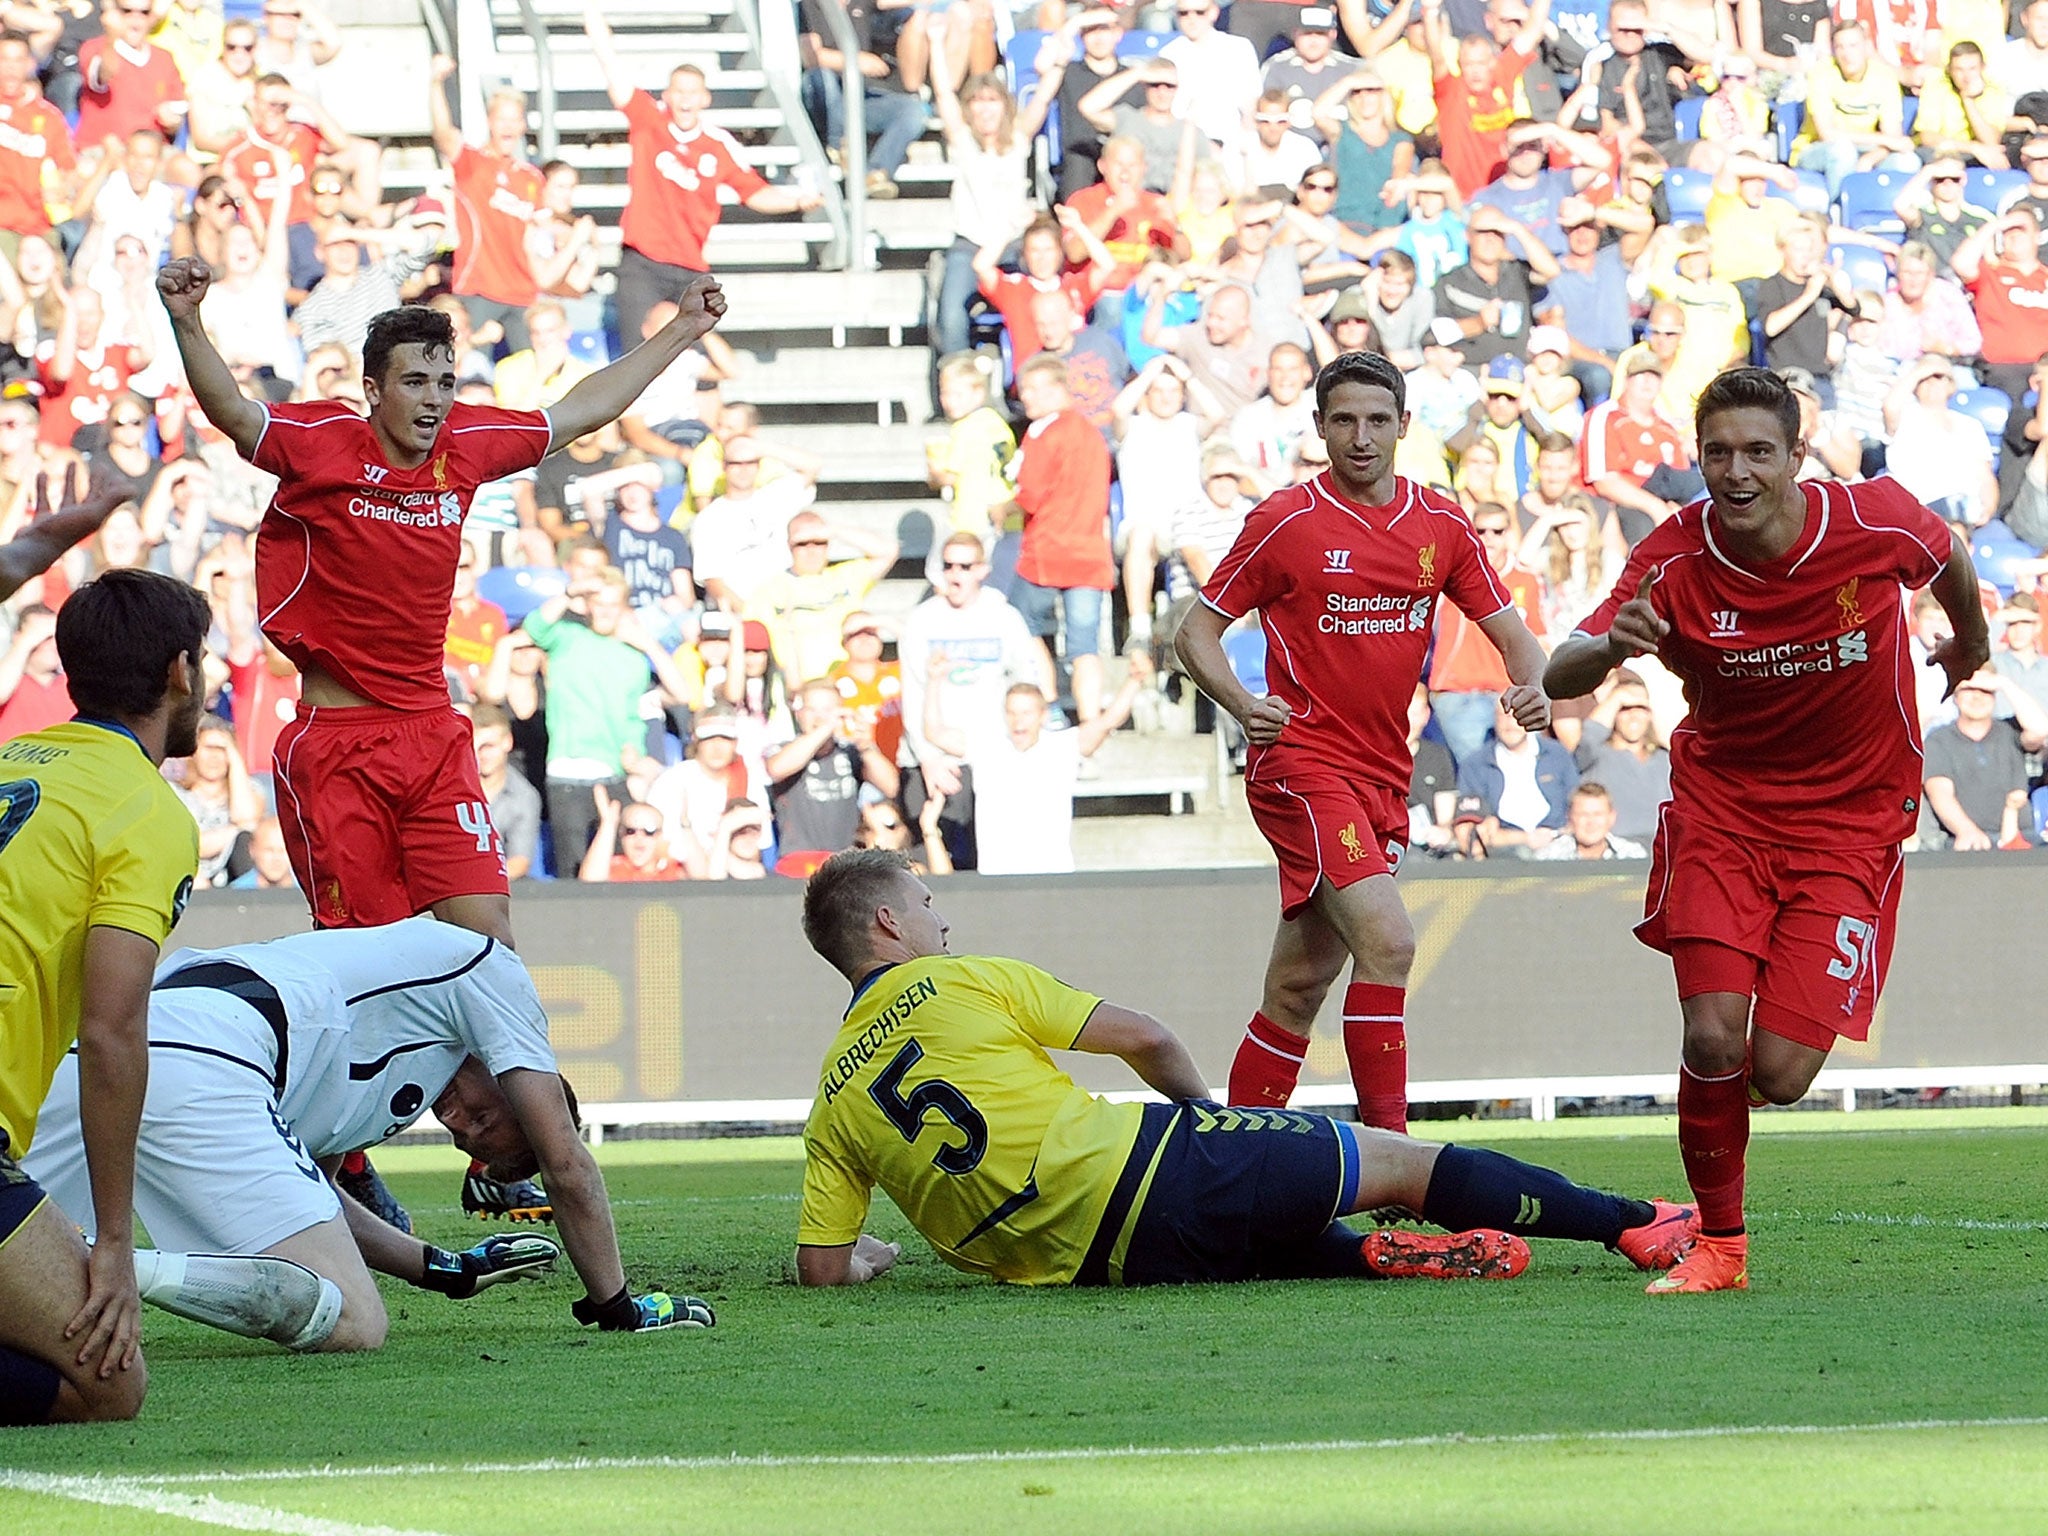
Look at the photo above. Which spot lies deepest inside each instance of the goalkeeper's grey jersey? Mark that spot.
(377, 1022)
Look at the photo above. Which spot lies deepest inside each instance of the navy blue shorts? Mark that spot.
(19, 1194)
(1225, 1194)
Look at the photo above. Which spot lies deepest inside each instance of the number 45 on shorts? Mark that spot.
(475, 817)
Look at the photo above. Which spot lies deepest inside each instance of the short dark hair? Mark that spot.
(1749, 389)
(840, 900)
(1368, 368)
(118, 634)
(406, 325)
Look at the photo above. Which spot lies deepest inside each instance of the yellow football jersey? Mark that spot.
(939, 1089)
(90, 836)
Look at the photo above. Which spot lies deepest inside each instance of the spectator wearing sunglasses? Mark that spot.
(629, 847)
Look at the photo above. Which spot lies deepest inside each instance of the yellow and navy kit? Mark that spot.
(939, 1089)
(90, 837)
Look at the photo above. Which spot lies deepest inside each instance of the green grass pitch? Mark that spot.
(1901, 1282)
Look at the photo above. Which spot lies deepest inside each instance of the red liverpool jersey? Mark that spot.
(267, 171)
(355, 561)
(495, 200)
(1801, 727)
(673, 181)
(1346, 594)
(34, 141)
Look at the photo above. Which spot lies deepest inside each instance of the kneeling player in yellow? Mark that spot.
(939, 1088)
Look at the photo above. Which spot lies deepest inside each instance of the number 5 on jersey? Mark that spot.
(906, 1111)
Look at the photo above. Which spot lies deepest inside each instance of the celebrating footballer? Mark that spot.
(1774, 883)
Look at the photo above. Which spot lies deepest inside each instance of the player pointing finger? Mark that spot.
(1636, 625)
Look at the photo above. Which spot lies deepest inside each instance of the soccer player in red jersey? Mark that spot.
(355, 571)
(1796, 775)
(1346, 572)
(497, 197)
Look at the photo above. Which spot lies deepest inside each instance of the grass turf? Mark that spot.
(1895, 1279)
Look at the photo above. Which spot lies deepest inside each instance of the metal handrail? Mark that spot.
(544, 77)
(439, 33)
(853, 153)
(774, 36)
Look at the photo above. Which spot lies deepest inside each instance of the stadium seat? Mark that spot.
(2040, 808)
(1811, 195)
(1909, 115)
(1685, 116)
(1991, 190)
(1865, 265)
(1022, 56)
(589, 347)
(1787, 117)
(519, 589)
(1986, 406)
(1997, 550)
(1867, 198)
(1687, 191)
(1245, 650)
(1142, 45)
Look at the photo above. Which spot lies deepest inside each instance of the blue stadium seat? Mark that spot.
(1687, 192)
(1142, 45)
(1685, 116)
(2040, 808)
(1865, 265)
(1022, 55)
(1867, 198)
(1989, 189)
(589, 347)
(519, 589)
(1986, 406)
(1812, 193)
(1909, 115)
(1245, 650)
(1787, 117)
(1996, 550)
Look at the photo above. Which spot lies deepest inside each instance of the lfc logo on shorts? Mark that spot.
(1848, 603)
(1425, 566)
(1353, 849)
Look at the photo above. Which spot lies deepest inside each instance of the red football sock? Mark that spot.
(353, 1164)
(1376, 1045)
(1268, 1064)
(1713, 1137)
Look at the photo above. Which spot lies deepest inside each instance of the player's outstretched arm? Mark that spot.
(43, 543)
(610, 392)
(1146, 1046)
(1969, 647)
(183, 283)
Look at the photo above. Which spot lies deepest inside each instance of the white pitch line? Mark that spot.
(1958, 1223)
(201, 1508)
(1072, 1453)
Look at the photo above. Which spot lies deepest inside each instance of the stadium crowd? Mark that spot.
(1560, 218)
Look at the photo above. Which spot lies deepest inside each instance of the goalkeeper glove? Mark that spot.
(490, 1262)
(626, 1313)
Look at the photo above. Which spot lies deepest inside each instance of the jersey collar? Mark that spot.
(860, 987)
(112, 725)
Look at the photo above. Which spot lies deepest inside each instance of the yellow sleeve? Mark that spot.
(1041, 1005)
(835, 1201)
(144, 870)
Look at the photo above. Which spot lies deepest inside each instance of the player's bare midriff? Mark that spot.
(321, 691)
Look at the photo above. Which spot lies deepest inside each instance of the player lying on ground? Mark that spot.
(269, 1060)
(1347, 573)
(939, 1089)
(97, 858)
(1774, 883)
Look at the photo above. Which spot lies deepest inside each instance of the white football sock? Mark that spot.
(255, 1295)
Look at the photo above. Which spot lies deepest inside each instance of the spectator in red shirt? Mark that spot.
(679, 161)
(1466, 673)
(1064, 568)
(32, 690)
(1633, 456)
(636, 828)
(129, 82)
(33, 140)
(497, 203)
(81, 369)
(475, 625)
(277, 158)
(1133, 224)
(1043, 261)
(1475, 92)
(2010, 291)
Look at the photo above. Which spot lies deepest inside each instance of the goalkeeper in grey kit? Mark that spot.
(269, 1062)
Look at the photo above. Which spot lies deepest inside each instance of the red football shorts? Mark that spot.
(383, 813)
(1818, 924)
(1327, 830)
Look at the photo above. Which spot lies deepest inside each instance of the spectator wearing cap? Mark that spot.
(1275, 154)
(1744, 222)
(2018, 658)
(1497, 419)
(1833, 451)
(1219, 72)
(1348, 328)
(1514, 791)
(1933, 209)
(1264, 433)
(1554, 401)
(1475, 92)
(1940, 455)
(1589, 828)
(1588, 298)
(1466, 673)
(1489, 298)
(1631, 455)
(870, 687)
(815, 777)
(1528, 192)
(692, 795)
(1269, 269)
(1309, 66)
(1372, 156)
(1716, 322)
(1620, 750)
(1962, 113)
(1926, 313)
(740, 538)
(633, 845)
(1799, 304)
(1976, 771)
(1099, 31)
(806, 604)
(1853, 113)
(1442, 392)
(2010, 291)
(1205, 528)
(1155, 125)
